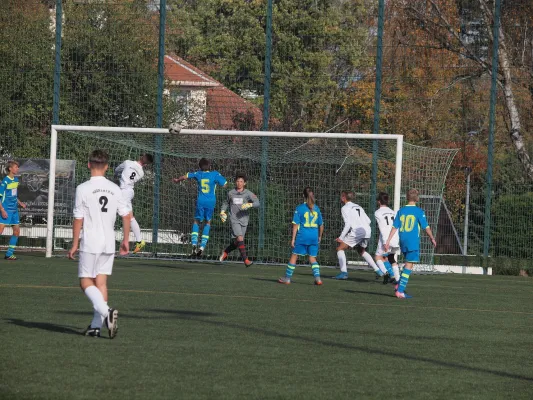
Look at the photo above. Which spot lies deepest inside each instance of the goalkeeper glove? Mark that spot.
(223, 216)
(246, 206)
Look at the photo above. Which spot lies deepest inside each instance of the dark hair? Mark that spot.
(348, 194)
(241, 175)
(309, 196)
(148, 158)
(204, 164)
(98, 158)
(383, 198)
(10, 164)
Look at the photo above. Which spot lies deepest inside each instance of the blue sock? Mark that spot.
(205, 235)
(389, 268)
(290, 270)
(316, 269)
(404, 278)
(194, 234)
(12, 245)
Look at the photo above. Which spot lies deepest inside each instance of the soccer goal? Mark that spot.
(278, 166)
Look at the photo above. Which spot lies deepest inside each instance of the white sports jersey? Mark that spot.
(356, 222)
(98, 201)
(129, 173)
(385, 217)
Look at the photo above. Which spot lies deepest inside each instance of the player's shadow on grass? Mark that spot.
(45, 326)
(155, 265)
(300, 280)
(274, 280)
(391, 295)
(184, 313)
(397, 356)
(134, 316)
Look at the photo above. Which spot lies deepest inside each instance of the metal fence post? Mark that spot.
(492, 120)
(266, 117)
(377, 110)
(57, 66)
(159, 122)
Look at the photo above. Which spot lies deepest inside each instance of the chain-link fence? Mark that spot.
(293, 65)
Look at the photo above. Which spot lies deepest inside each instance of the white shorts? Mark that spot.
(127, 195)
(354, 241)
(91, 264)
(380, 251)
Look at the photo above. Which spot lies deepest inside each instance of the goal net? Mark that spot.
(278, 166)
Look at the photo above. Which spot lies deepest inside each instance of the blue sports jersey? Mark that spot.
(409, 221)
(207, 183)
(308, 223)
(8, 193)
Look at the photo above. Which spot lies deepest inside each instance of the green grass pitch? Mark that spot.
(207, 331)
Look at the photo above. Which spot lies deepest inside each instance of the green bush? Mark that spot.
(513, 217)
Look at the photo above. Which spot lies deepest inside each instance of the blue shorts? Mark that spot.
(310, 250)
(202, 213)
(411, 256)
(12, 218)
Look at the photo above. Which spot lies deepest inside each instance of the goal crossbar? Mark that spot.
(56, 129)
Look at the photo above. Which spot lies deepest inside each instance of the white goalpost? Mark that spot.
(278, 165)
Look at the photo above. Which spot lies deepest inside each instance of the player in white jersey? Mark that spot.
(387, 260)
(129, 173)
(356, 233)
(97, 203)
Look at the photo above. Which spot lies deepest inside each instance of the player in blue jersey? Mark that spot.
(205, 206)
(307, 231)
(409, 220)
(9, 202)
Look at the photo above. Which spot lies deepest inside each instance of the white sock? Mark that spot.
(136, 229)
(381, 266)
(97, 299)
(342, 260)
(396, 272)
(368, 258)
(98, 320)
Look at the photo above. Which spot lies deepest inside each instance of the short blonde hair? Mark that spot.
(348, 194)
(412, 195)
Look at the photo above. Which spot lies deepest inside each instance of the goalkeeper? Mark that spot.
(239, 200)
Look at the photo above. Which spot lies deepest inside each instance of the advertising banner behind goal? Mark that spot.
(33, 187)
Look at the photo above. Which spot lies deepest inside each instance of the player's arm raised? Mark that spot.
(220, 180)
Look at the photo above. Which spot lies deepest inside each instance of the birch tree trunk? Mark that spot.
(510, 100)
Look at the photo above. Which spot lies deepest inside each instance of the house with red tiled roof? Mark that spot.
(201, 102)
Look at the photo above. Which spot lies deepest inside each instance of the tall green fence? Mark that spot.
(320, 67)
